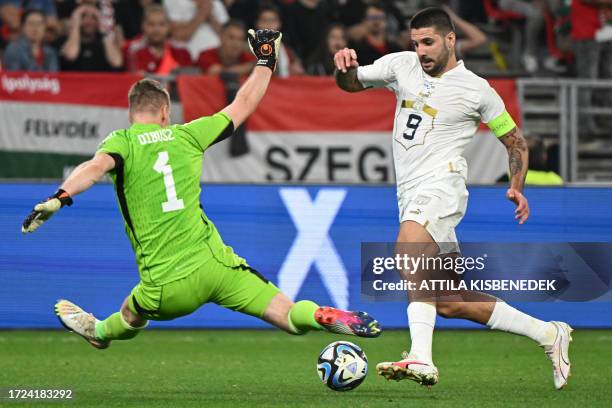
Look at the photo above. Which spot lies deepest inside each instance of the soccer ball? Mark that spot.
(342, 366)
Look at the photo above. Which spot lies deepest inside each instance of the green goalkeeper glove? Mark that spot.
(45, 210)
(265, 44)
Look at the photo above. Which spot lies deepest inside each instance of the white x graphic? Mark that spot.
(312, 244)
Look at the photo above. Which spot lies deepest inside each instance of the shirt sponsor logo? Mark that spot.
(30, 85)
(162, 135)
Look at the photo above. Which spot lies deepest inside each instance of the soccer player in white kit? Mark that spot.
(440, 104)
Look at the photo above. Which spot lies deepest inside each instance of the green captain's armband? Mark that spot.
(501, 124)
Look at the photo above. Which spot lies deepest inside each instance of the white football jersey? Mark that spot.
(435, 118)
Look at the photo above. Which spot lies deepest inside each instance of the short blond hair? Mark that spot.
(148, 95)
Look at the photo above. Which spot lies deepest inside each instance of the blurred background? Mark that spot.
(312, 159)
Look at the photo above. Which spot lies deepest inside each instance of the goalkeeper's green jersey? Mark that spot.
(157, 180)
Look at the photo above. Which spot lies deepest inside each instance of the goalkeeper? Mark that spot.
(182, 260)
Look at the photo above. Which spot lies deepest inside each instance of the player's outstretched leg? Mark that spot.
(76, 320)
(305, 315)
(558, 353)
(98, 333)
(409, 369)
(554, 337)
(343, 322)
(417, 365)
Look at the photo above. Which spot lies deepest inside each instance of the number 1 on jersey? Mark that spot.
(162, 166)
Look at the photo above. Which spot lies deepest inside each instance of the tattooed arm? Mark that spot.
(348, 80)
(518, 158)
(346, 64)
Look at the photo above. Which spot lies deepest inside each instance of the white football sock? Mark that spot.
(422, 320)
(507, 318)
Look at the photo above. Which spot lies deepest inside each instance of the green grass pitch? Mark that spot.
(265, 368)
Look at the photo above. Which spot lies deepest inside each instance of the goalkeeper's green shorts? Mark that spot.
(239, 288)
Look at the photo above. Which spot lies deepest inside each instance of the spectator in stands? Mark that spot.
(593, 51)
(534, 23)
(153, 53)
(351, 13)
(472, 36)
(65, 9)
(28, 52)
(562, 27)
(91, 44)
(593, 57)
(243, 9)
(10, 11)
(112, 12)
(376, 43)
(322, 60)
(231, 56)
(605, 33)
(305, 27)
(129, 15)
(288, 63)
(197, 23)
(9, 17)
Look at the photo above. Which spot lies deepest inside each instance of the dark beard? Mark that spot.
(439, 66)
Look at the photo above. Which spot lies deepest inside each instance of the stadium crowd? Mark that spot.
(147, 36)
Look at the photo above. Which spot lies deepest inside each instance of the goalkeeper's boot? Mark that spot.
(354, 323)
(80, 322)
(409, 369)
(558, 353)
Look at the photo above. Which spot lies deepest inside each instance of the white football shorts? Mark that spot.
(438, 202)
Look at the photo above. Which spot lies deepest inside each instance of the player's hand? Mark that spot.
(45, 210)
(345, 59)
(522, 206)
(265, 44)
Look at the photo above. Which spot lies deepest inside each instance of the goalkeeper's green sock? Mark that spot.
(116, 328)
(302, 317)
